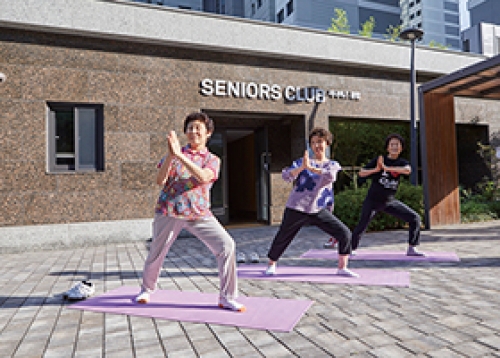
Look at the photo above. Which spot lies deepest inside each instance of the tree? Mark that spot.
(393, 33)
(340, 23)
(367, 27)
(436, 44)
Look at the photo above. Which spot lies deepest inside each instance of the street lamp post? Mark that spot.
(412, 35)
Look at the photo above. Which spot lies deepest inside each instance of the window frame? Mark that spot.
(52, 109)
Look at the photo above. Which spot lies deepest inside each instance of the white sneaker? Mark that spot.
(412, 251)
(231, 305)
(254, 258)
(143, 297)
(271, 270)
(241, 258)
(346, 272)
(80, 291)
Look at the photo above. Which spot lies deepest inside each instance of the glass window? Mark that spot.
(450, 6)
(289, 8)
(75, 138)
(281, 16)
(259, 3)
(253, 9)
(451, 30)
(451, 18)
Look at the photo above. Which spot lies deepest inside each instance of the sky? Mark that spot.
(464, 15)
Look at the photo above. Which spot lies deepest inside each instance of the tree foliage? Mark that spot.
(393, 32)
(340, 23)
(436, 44)
(367, 27)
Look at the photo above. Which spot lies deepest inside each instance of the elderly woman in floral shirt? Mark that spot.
(186, 175)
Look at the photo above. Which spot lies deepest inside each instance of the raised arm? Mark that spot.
(364, 172)
(203, 175)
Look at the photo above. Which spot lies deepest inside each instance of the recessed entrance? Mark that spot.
(240, 196)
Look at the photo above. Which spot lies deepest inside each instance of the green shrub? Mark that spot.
(475, 209)
(348, 205)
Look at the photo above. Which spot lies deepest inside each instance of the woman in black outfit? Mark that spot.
(385, 172)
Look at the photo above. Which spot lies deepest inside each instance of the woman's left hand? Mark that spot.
(173, 144)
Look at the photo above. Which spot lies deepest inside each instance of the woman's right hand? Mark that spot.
(306, 163)
(380, 163)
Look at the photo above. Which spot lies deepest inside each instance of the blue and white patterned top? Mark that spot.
(312, 192)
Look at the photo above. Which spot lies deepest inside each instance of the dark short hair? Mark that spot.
(394, 135)
(202, 117)
(322, 133)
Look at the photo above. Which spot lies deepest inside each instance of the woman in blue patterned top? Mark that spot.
(310, 202)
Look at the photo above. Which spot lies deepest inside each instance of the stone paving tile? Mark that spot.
(450, 309)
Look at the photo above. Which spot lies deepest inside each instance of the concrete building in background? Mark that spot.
(483, 36)
(439, 19)
(223, 7)
(484, 11)
(318, 14)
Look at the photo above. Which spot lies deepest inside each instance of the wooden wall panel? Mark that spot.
(442, 164)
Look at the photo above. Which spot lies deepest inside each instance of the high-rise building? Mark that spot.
(483, 35)
(484, 11)
(318, 14)
(223, 7)
(439, 19)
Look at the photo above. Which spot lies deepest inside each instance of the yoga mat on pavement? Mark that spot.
(261, 312)
(368, 277)
(383, 256)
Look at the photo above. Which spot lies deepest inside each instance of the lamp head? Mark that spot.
(3, 77)
(411, 34)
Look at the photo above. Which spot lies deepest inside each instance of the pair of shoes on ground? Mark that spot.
(271, 271)
(144, 297)
(242, 258)
(80, 291)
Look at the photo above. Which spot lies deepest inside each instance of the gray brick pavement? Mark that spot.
(450, 309)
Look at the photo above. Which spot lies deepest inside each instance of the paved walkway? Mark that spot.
(450, 309)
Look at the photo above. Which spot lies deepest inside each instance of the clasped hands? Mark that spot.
(174, 147)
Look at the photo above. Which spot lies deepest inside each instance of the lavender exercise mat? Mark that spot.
(383, 256)
(368, 277)
(261, 312)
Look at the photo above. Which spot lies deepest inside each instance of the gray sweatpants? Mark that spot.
(214, 236)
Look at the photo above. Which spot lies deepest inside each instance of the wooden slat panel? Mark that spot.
(442, 165)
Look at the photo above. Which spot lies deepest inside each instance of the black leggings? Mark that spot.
(392, 207)
(293, 220)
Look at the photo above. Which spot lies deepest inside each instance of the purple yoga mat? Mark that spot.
(261, 312)
(383, 256)
(367, 277)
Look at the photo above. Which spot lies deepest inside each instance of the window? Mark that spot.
(185, 7)
(259, 3)
(289, 8)
(419, 13)
(253, 9)
(419, 25)
(450, 6)
(281, 16)
(412, 16)
(412, 4)
(75, 137)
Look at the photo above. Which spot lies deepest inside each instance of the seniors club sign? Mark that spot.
(272, 92)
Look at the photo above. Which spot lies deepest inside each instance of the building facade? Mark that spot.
(483, 36)
(439, 19)
(318, 14)
(87, 105)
